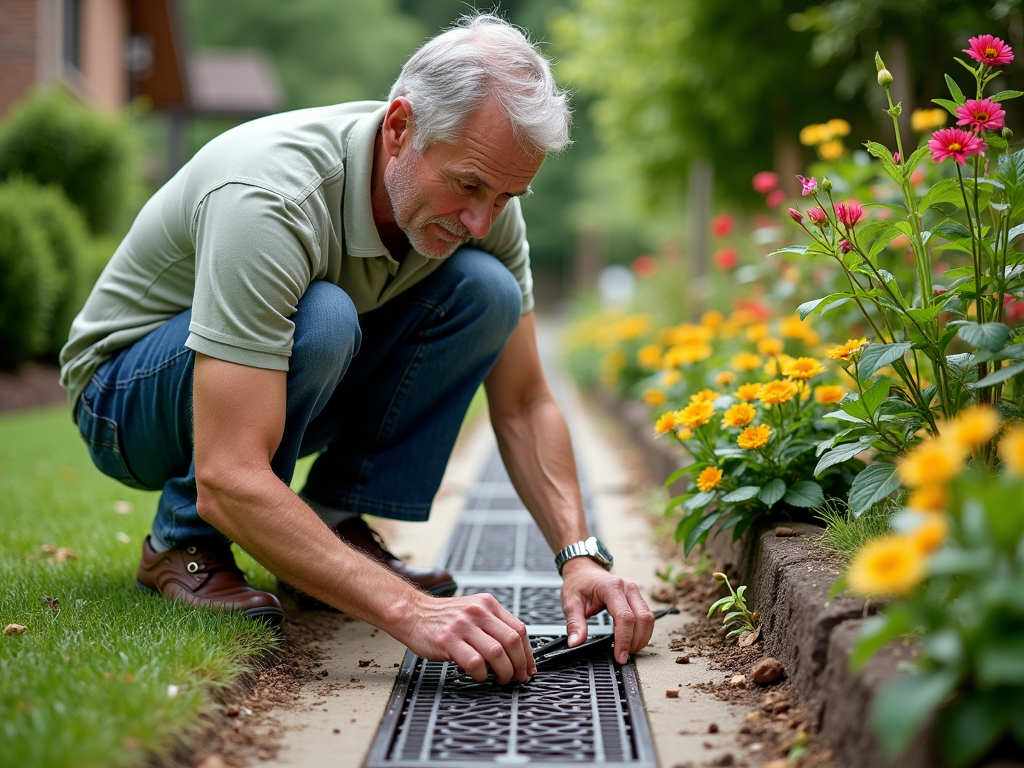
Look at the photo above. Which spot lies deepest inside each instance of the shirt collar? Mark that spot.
(361, 237)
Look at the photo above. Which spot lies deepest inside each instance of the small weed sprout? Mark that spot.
(738, 619)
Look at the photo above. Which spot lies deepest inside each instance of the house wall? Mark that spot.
(29, 46)
(104, 31)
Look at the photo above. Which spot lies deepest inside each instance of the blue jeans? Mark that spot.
(379, 396)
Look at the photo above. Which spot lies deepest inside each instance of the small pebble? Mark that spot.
(783, 532)
(726, 759)
(682, 659)
(14, 629)
(738, 680)
(336, 730)
(713, 728)
(768, 670)
(671, 693)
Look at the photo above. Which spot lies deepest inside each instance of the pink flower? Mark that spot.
(849, 213)
(845, 246)
(727, 258)
(818, 217)
(795, 215)
(955, 143)
(809, 185)
(645, 266)
(990, 51)
(774, 198)
(896, 157)
(981, 115)
(723, 224)
(765, 181)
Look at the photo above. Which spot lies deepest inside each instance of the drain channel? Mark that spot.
(583, 711)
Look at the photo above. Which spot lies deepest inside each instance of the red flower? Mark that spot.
(845, 246)
(809, 185)
(645, 266)
(795, 215)
(818, 217)
(765, 181)
(956, 143)
(849, 213)
(981, 115)
(758, 310)
(774, 198)
(1013, 309)
(723, 224)
(990, 51)
(727, 258)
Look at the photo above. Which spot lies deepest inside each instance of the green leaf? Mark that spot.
(875, 395)
(922, 315)
(997, 377)
(970, 727)
(871, 485)
(801, 249)
(946, 191)
(700, 531)
(952, 230)
(675, 476)
(841, 453)
(807, 307)
(723, 602)
(878, 356)
(772, 491)
(1004, 95)
(877, 632)
(1001, 661)
(885, 155)
(1009, 352)
(904, 705)
(699, 500)
(990, 336)
(950, 106)
(743, 493)
(806, 494)
(954, 91)
(914, 159)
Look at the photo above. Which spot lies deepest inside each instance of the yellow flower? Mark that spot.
(847, 350)
(725, 378)
(929, 498)
(754, 437)
(684, 433)
(793, 327)
(890, 565)
(704, 396)
(671, 378)
(769, 346)
(831, 150)
(683, 354)
(924, 120)
(973, 427)
(777, 392)
(929, 532)
(803, 368)
(1011, 451)
(748, 392)
(633, 326)
(712, 319)
(811, 135)
(709, 479)
(774, 363)
(649, 357)
(688, 333)
(745, 361)
(757, 332)
(935, 461)
(654, 397)
(739, 415)
(829, 394)
(697, 414)
(837, 127)
(666, 422)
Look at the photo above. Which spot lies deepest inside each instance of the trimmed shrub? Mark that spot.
(52, 139)
(28, 281)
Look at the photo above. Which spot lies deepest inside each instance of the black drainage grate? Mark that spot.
(584, 712)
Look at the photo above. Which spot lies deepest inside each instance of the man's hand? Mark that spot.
(587, 589)
(475, 632)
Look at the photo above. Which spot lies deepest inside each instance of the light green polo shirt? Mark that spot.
(240, 232)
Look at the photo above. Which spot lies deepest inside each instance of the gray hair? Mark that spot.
(483, 55)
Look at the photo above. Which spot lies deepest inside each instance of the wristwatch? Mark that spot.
(591, 548)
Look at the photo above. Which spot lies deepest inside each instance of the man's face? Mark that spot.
(448, 193)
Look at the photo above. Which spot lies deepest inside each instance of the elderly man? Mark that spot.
(339, 281)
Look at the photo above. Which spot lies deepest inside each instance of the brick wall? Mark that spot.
(19, 55)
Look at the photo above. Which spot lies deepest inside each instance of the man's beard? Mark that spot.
(406, 206)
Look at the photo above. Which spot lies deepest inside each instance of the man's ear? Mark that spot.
(396, 130)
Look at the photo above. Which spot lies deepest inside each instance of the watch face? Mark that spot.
(597, 550)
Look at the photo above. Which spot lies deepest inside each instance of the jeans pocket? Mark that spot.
(100, 435)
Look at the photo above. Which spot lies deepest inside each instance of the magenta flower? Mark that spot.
(849, 213)
(818, 217)
(765, 181)
(845, 246)
(809, 185)
(990, 51)
(955, 143)
(981, 115)
(896, 157)
(795, 215)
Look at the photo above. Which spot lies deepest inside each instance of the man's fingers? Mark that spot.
(643, 629)
(575, 621)
(618, 606)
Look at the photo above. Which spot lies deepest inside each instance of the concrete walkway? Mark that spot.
(336, 717)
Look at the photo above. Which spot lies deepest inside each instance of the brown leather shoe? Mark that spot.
(356, 533)
(205, 575)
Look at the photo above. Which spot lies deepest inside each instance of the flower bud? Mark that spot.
(795, 215)
(884, 77)
(826, 185)
(879, 64)
(1007, 133)
(845, 246)
(719, 576)
(895, 111)
(938, 290)
(896, 157)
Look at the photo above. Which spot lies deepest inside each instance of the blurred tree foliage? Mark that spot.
(734, 81)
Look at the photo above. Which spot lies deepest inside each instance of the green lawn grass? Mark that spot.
(116, 673)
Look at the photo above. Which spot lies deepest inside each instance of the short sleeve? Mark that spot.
(256, 253)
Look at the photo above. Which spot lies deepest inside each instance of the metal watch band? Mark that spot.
(580, 549)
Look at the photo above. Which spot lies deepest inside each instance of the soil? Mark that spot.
(243, 727)
(34, 384)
